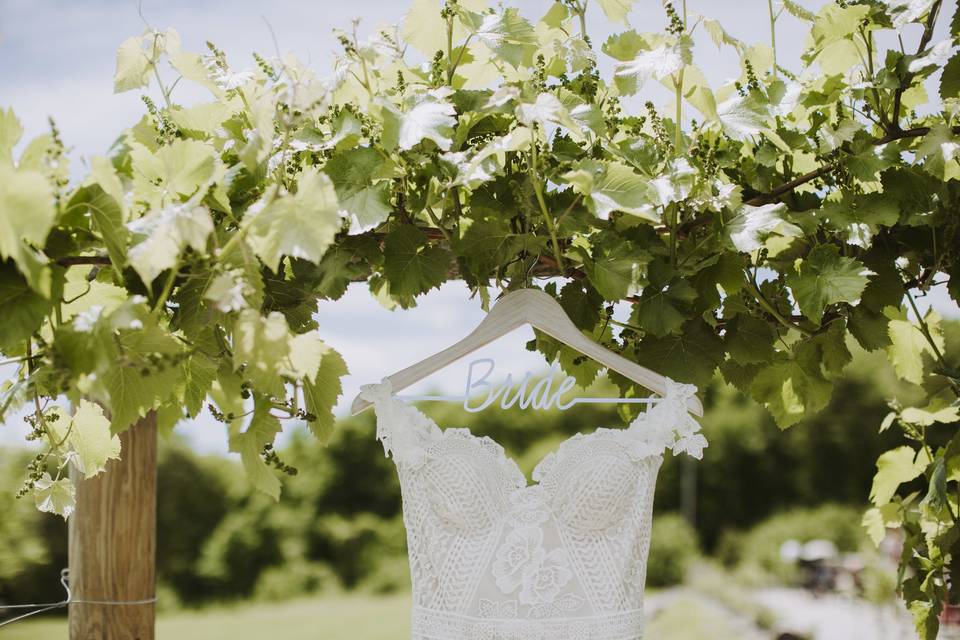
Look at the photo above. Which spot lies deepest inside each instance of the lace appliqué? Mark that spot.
(669, 425)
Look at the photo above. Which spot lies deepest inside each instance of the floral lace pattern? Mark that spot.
(493, 558)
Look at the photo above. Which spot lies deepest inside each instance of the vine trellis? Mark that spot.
(757, 227)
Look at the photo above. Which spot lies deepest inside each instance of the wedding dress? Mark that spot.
(495, 558)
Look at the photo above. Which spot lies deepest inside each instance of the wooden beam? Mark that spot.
(113, 542)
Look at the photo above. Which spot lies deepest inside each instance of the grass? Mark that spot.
(332, 618)
(349, 617)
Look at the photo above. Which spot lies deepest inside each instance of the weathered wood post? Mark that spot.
(113, 542)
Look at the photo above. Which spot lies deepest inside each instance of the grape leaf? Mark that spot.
(791, 388)
(658, 63)
(411, 264)
(749, 339)
(690, 356)
(616, 10)
(824, 278)
(23, 309)
(321, 394)
(107, 218)
(940, 149)
(301, 225)
(367, 208)
(431, 119)
(508, 35)
(10, 132)
(133, 66)
(260, 432)
(662, 307)
(55, 496)
(613, 186)
(895, 467)
(26, 216)
(163, 235)
(950, 79)
(751, 226)
(87, 434)
(614, 271)
(908, 344)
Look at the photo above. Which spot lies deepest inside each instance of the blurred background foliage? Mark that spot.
(338, 526)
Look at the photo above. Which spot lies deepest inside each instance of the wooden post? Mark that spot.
(113, 542)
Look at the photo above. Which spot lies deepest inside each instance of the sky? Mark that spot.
(57, 60)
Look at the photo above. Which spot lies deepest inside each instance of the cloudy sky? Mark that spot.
(57, 59)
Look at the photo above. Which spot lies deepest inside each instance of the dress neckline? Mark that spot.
(665, 425)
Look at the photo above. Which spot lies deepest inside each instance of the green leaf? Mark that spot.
(828, 347)
(877, 520)
(107, 218)
(26, 216)
(23, 310)
(88, 436)
(163, 234)
(939, 150)
(751, 226)
(792, 388)
(664, 302)
(908, 344)
(301, 225)
(321, 395)
(411, 264)
(424, 28)
(936, 497)
(134, 65)
(10, 132)
(509, 36)
(658, 63)
(750, 340)
(199, 372)
(271, 354)
(367, 208)
(183, 167)
(432, 119)
(834, 22)
(55, 496)
(895, 467)
(614, 269)
(260, 432)
(613, 186)
(824, 278)
(487, 245)
(797, 11)
(950, 79)
(616, 10)
(859, 217)
(689, 356)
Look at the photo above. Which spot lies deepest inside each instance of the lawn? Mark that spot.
(350, 618)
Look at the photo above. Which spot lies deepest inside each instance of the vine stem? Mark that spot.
(925, 330)
(582, 15)
(538, 190)
(167, 288)
(773, 35)
(769, 308)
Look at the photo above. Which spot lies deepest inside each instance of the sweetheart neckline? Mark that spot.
(529, 482)
(667, 424)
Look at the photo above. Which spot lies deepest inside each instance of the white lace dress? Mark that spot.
(493, 558)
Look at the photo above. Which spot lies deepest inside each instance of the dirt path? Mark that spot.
(833, 617)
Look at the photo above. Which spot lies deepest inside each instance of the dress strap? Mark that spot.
(404, 431)
(669, 425)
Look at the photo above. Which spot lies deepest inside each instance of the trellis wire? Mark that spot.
(49, 606)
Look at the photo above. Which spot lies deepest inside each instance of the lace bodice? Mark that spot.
(495, 558)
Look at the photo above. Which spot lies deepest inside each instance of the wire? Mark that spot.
(65, 583)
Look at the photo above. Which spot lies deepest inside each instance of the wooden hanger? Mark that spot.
(541, 311)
